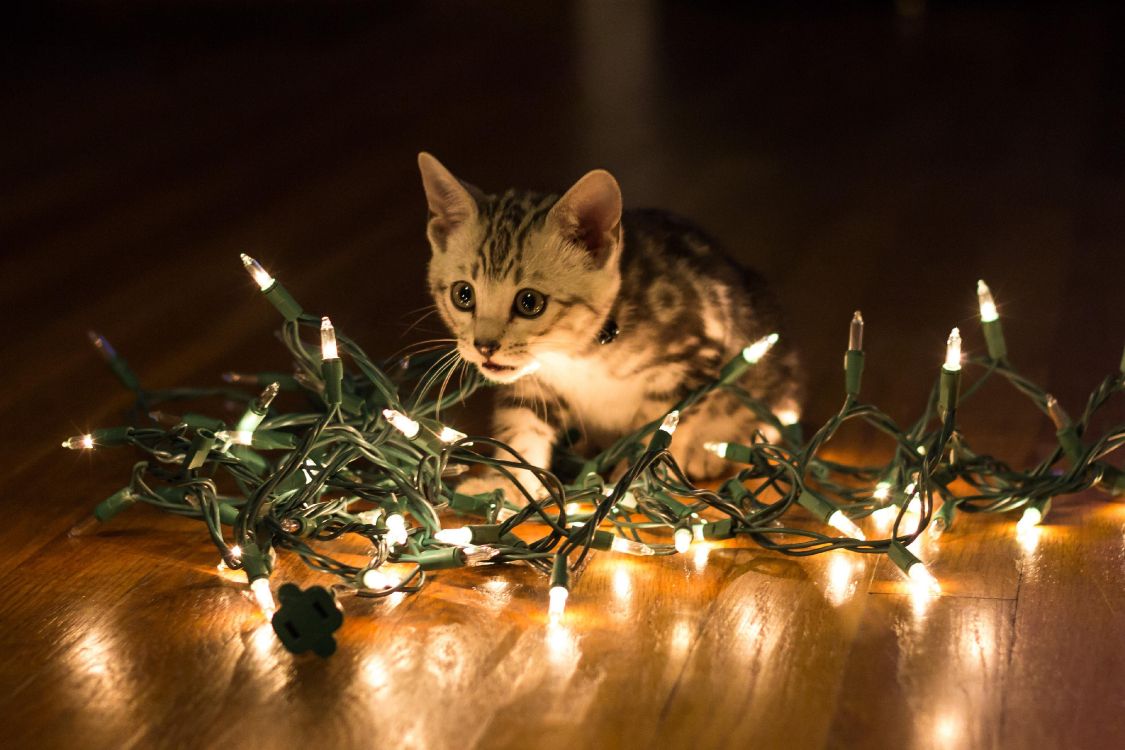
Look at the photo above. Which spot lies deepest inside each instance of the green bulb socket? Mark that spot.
(949, 391)
(280, 298)
(816, 505)
(661, 439)
(114, 504)
(1113, 480)
(901, 556)
(112, 435)
(1071, 443)
(201, 445)
(943, 519)
(202, 422)
(228, 514)
(273, 440)
(333, 372)
(678, 509)
(254, 562)
(994, 340)
(255, 462)
(734, 370)
(481, 505)
(715, 530)
(853, 371)
(124, 373)
(439, 559)
(560, 575)
(485, 533)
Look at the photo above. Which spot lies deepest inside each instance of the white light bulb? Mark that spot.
(450, 435)
(987, 305)
(884, 517)
(953, 350)
(631, 547)
(788, 417)
(265, 281)
(922, 580)
(882, 491)
(671, 422)
(79, 442)
(377, 580)
(855, 332)
(402, 423)
(475, 555)
(719, 449)
(845, 525)
(758, 349)
(557, 606)
(396, 529)
(1031, 517)
(460, 537)
(262, 594)
(236, 552)
(682, 539)
(328, 349)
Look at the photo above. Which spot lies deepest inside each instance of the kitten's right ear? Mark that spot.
(451, 202)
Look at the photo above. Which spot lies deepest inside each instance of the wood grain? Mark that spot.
(861, 158)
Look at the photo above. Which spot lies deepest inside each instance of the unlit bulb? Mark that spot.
(671, 422)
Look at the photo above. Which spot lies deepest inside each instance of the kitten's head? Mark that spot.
(522, 274)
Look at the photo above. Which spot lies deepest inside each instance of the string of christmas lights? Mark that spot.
(365, 460)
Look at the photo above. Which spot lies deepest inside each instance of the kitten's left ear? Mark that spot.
(589, 215)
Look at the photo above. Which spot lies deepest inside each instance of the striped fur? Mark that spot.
(683, 309)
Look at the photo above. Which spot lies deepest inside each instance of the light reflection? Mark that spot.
(1028, 538)
(93, 653)
(622, 584)
(681, 636)
(841, 584)
(562, 644)
(948, 729)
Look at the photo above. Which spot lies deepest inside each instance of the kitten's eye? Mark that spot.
(529, 303)
(462, 295)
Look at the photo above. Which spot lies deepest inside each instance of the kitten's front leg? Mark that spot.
(529, 435)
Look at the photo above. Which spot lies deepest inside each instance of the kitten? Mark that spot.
(595, 319)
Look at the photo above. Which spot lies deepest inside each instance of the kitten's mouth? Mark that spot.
(497, 367)
(506, 373)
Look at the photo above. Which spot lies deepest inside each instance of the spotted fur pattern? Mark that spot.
(682, 307)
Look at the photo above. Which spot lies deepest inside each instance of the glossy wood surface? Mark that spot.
(862, 158)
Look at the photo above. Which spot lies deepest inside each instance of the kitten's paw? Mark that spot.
(487, 483)
(701, 464)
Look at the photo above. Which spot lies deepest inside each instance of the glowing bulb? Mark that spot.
(557, 607)
(885, 516)
(788, 417)
(631, 547)
(882, 491)
(265, 281)
(855, 333)
(236, 552)
(477, 555)
(719, 449)
(1031, 517)
(377, 580)
(682, 539)
(953, 350)
(671, 421)
(402, 423)
(79, 442)
(922, 580)
(460, 537)
(396, 529)
(987, 305)
(758, 349)
(845, 525)
(328, 348)
(450, 435)
(262, 594)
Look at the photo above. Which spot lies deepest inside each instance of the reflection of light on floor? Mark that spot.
(263, 639)
(1028, 537)
(681, 636)
(700, 552)
(93, 653)
(947, 731)
(977, 641)
(841, 584)
(562, 645)
(921, 599)
(622, 584)
(375, 672)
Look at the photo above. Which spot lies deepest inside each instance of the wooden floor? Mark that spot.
(862, 159)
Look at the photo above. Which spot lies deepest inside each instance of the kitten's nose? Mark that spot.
(487, 348)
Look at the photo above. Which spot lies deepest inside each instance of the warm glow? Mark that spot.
(557, 607)
(260, 587)
(460, 537)
(79, 442)
(1031, 518)
(882, 491)
(758, 349)
(922, 581)
(671, 422)
(719, 449)
(788, 417)
(841, 584)
(631, 547)
(402, 423)
(328, 349)
(845, 525)
(953, 351)
(265, 281)
(682, 539)
(396, 529)
(377, 580)
(988, 312)
(450, 435)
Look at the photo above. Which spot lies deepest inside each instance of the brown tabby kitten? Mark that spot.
(596, 319)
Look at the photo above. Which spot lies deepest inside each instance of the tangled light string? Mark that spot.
(363, 459)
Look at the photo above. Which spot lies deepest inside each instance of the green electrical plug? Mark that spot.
(307, 619)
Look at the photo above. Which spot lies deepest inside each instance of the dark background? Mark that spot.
(880, 156)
